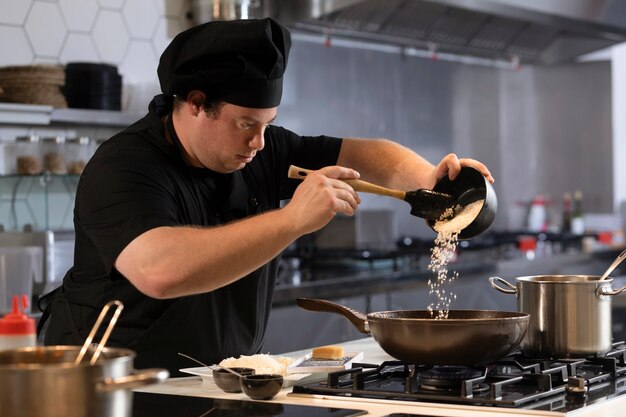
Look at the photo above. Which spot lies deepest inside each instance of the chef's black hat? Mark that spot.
(240, 62)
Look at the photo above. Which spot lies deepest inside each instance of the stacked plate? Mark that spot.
(93, 86)
(33, 84)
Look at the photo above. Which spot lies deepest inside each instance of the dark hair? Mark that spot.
(211, 107)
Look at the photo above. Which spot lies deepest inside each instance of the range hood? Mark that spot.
(528, 31)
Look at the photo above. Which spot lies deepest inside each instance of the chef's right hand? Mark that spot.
(321, 195)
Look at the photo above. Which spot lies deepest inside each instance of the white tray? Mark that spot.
(306, 364)
(207, 375)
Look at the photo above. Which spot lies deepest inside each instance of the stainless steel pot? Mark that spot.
(570, 315)
(43, 381)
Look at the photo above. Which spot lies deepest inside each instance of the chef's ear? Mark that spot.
(196, 99)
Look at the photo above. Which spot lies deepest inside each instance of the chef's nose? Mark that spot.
(258, 140)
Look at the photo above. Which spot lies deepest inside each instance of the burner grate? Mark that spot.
(514, 382)
(397, 380)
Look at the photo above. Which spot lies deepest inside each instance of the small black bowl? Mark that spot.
(229, 382)
(262, 386)
(468, 187)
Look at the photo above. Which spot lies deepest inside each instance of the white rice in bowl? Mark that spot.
(261, 363)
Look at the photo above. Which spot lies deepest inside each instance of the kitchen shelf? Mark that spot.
(34, 114)
(97, 117)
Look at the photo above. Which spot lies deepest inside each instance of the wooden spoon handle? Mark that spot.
(358, 185)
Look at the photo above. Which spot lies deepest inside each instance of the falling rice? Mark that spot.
(448, 228)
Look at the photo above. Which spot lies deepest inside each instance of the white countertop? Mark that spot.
(194, 386)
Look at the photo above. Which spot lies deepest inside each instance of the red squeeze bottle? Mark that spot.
(16, 328)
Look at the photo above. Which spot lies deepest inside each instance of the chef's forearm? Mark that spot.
(387, 163)
(169, 262)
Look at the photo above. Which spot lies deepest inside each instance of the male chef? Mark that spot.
(179, 216)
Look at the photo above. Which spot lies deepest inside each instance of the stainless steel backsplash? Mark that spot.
(539, 129)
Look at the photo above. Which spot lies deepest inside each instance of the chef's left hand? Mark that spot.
(451, 165)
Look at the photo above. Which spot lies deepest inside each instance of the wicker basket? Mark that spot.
(33, 84)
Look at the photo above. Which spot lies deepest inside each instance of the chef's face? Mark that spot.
(227, 139)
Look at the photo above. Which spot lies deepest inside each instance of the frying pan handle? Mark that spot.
(358, 185)
(358, 319)
(512, 289)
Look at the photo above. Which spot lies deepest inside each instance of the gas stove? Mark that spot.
(515, 382)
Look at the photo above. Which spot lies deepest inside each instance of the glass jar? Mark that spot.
(53, 150)
(78, 152)
(27, 155)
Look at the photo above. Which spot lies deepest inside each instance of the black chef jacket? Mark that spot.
(137, 181)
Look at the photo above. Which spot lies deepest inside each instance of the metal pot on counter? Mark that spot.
(570, 315)
(73, 381)
(44, 381)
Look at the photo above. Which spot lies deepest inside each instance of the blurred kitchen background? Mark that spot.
(535, 89)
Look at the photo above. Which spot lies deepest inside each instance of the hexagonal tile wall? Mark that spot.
(14, 12)
(111, 31)
(111, 36)
(14, 42)
(46, 29)
(79, 15)
(141, 17)
(79, 47)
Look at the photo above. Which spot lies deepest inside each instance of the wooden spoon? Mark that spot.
(426, 204)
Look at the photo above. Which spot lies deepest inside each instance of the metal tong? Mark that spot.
(105, 336)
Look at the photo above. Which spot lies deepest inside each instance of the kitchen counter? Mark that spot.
(194, 386)
(337, 282)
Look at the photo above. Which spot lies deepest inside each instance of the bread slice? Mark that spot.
(328, 352)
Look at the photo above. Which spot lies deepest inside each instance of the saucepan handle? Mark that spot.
(358, 319)
(139, 379)
(512, 289)
(606, 291)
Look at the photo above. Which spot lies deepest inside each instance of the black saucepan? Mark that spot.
(466, 337)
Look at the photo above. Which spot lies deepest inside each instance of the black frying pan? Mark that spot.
(466, 337)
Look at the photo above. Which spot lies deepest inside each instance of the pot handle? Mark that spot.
(135, 380)
(600, 291)
(494, 284)
(358, 319)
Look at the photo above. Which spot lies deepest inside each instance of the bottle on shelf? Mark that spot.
(537, 216)
(566, 223)
(578, 219)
